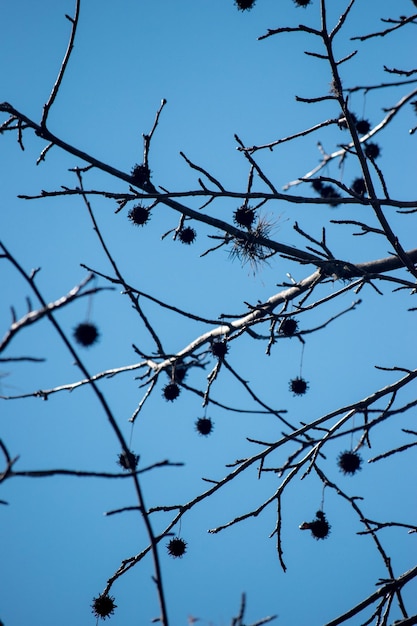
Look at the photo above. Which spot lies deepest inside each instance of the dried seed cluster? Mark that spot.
(298, 386)
(180, 371)
(187, 235)
(177, 547)
(319, 527)
(219, 349)
(372, 150)
(328, 192)
(288, 327)
(363, 127)
(103, 606)
(244, 216)
(171, 391)
(359, 187)
(349, 462)
(128, 460)
(204, 426)
(139, 215)
(245, 5)
(86, 334)
(141, 174)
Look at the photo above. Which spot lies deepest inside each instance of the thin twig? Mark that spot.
(55, 89)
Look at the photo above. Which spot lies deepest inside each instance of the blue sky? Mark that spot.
(57, 547)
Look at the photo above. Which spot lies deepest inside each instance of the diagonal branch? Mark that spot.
(382, 591)
(55, 89)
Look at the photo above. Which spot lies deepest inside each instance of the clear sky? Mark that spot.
(57, 549)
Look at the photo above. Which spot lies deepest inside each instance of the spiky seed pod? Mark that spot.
(139, 215)
(128, 461)
(86, 334)
(180, 372)
(288, 327)
(204, 426)
(342, 121)
(245, 5)
(329, 193)
(372, 150)
(349, 462)
(103, 606)
(358, 186)
(362, 126)
(317, 185)
(319, 527)
(171, 391)
(141, 174)
(177, 547)
(298, 386)
(244, 216)
(302, 3)
(187, 235)
(219, 349)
